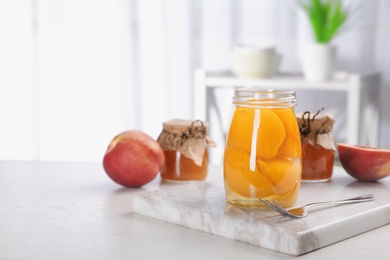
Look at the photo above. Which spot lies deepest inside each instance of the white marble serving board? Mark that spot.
(202, 206)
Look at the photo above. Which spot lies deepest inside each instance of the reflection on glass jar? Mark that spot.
(262, 156)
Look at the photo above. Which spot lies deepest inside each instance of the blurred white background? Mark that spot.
(74, 73)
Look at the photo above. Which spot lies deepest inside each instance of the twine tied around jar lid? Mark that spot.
(187, 137)
(316, 129)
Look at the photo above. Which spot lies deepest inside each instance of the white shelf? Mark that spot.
(342, 81)
(362, 108)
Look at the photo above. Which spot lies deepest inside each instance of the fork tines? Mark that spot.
(273, 206)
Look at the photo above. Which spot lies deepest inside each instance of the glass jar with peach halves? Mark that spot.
(262, 156)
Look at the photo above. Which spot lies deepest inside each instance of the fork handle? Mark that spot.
(361, 198)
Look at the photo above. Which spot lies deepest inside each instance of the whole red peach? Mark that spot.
(364, 163)
(133, 158)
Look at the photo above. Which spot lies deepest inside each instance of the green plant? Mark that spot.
(326, 18)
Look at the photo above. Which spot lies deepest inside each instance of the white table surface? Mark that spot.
(72, 210)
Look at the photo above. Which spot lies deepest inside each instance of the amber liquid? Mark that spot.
(262, 159)
(180, 168)
(317, 163)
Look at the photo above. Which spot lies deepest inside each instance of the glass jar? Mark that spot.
(184, 143)
(179, 167)
(318, 147)
(317, 163)
(262, 157)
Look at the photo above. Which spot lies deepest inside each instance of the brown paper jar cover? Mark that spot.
(317, 131)
(187, 137)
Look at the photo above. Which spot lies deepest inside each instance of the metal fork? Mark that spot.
(302, 211)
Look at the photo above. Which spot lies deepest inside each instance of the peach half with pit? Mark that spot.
(364, 163)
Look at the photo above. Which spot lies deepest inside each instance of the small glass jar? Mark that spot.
(262, 157)
(317, 163)
(178, 167)
(318, 147)
(184, 143)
